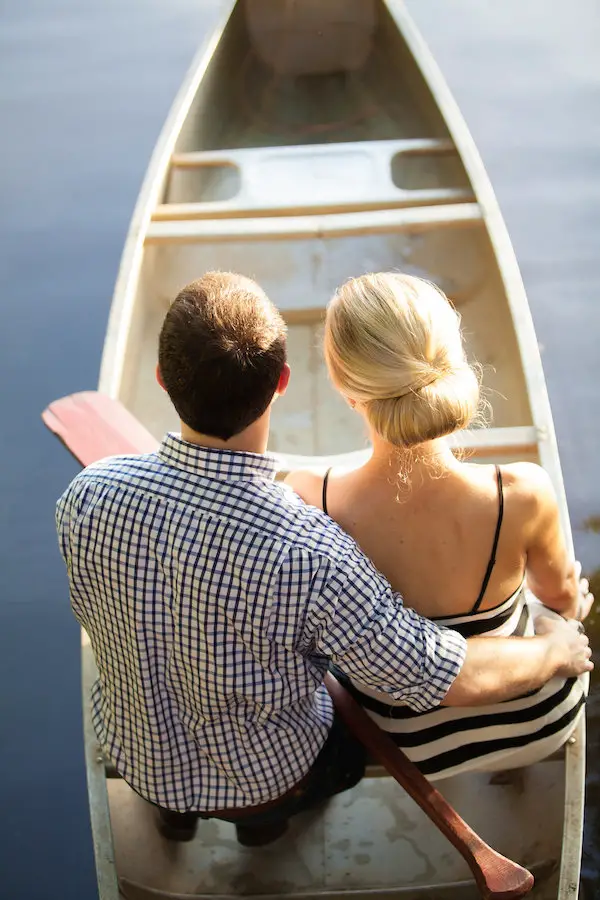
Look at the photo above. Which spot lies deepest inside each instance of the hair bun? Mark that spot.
(384, 330)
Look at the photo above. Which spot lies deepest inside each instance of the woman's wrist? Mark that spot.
(585, 598)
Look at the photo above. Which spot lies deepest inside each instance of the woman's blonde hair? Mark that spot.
(393, 344)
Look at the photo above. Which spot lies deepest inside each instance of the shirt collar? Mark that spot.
(229, 465)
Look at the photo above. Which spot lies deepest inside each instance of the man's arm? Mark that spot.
(355, 619)
(497, 669)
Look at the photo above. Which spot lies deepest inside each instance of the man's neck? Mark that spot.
(252, 439)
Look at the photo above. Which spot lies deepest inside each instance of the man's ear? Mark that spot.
(284, 380)
(159, 377)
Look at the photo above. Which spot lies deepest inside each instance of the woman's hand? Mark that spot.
(586, 598)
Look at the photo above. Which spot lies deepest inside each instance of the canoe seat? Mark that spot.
(495, 444)
(279, 181)
(93, 425)
(376, 770)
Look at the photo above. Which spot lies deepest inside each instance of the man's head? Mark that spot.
(222, 354)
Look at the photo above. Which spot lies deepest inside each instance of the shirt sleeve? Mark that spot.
(64, 513)
(357, 621)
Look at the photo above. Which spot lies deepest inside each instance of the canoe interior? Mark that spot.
(372, 841)
(300, 277)
(242, 104)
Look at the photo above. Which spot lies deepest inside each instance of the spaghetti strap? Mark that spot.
(492, 562)
(324, 498)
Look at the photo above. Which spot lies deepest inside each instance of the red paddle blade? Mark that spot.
(92, 426)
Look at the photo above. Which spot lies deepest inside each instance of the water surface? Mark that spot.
(84, 89)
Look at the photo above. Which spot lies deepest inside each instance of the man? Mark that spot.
(215, 598)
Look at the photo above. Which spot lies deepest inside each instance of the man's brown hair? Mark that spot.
(222, 348)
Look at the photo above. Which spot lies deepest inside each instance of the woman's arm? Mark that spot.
(552, 574)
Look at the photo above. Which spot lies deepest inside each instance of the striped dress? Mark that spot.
(445, 741)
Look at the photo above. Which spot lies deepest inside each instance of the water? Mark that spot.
(84, 89)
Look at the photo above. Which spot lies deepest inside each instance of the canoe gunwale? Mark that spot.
(536, 388)
(102, 838)
(121, 310)
(111, 368)
(502, 246)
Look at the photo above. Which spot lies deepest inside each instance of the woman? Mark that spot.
(456, 539)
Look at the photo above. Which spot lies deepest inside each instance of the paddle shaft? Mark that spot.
(496, 876)
(92, 426)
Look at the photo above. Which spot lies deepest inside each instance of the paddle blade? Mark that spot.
(92, 426)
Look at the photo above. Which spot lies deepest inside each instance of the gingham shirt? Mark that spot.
(214, 599)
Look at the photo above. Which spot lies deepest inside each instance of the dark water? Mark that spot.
(84, 89)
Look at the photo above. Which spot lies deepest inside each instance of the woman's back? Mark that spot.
(455, 545)
(433, 539)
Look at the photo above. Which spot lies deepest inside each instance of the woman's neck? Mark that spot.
(431, 458)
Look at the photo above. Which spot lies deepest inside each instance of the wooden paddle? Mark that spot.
(496, 876)
(92, 425)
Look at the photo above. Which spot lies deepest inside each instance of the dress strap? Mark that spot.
(324, 498)
(492, 562)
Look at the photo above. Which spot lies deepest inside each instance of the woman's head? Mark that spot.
(393, 345)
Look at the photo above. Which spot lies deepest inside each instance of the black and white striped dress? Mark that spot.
(445, 741)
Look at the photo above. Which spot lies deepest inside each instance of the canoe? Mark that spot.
(310, 142)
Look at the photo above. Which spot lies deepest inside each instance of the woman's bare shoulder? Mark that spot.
(308, 484)
(530, 487)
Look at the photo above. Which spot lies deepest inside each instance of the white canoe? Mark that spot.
(310, 142)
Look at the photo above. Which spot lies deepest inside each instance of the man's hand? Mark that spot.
(570, 642)
(502, 668)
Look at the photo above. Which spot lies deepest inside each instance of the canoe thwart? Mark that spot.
(246, 156)
(93, 425)
(165, 212)
(332, 177)
(385, 221)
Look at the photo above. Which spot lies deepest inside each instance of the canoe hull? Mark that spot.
(242, 180)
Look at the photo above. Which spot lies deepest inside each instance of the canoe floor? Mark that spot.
(372, 841)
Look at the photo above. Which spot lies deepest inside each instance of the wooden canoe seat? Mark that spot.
(337, 177)
(383, 221)
(93, 425)
(482, 443)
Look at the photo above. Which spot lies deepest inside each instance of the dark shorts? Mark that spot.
(339, 766)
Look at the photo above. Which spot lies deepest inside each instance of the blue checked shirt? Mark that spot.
(214, 599)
